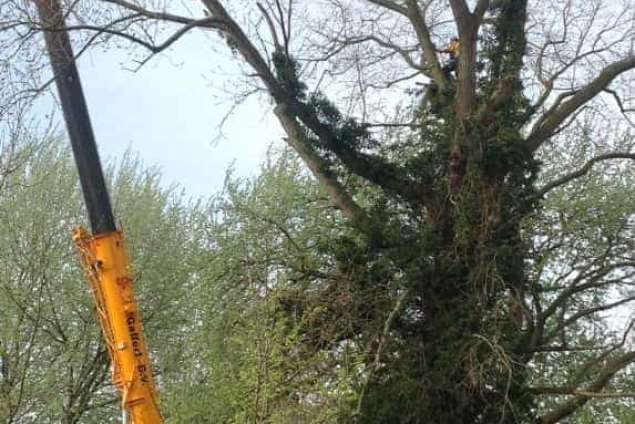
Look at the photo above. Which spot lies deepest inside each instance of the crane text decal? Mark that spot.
(137, 345)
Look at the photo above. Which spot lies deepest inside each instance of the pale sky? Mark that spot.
(169, 113)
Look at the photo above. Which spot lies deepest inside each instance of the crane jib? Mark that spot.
(77, 119)
(103, 254)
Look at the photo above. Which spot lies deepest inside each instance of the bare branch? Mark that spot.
(585, 313)
(582, 171)
(620, 104)
(272, 28)
(163, 16)
(567, 391)
(246, 48)
(555, 118)
(413, 13)
(608, 371)
(391, 5)
(403, 52)
(480, 9)
(154, 48)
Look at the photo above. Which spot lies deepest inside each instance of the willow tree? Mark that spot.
(435, 203)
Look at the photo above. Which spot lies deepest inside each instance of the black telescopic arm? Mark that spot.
(76, 116)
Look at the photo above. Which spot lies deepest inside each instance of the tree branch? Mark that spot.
(418, 22)
(480, 9)
(620, 104)
(461, 14)
(557, 116)
(367, 166)
(390, 5)
(498, 98)
(608, 371)
(238, 38)
(154, 48)
(403, 52)
(594, 277)
(299, 141)
(163, 16)
(586, 312)
(413, 13)
(567, 391)
(467, 26)
(582, 171)
(371, 167)
(272, 28)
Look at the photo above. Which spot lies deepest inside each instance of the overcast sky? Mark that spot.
(169, 113)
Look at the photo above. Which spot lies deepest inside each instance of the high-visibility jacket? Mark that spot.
(453, 49)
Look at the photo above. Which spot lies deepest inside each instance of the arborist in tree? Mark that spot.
(450, 66)
(453, 51)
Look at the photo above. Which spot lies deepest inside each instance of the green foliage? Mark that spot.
(263, 305)
(349, 134)
(55, 368)
(584, 229)
(506, 40)
(287, 74)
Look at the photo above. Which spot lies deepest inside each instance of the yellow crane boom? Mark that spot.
(102, 253)
(105, 261)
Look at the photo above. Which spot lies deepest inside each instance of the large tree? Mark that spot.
(441, 250)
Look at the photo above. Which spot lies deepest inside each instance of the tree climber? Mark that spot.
(429, 99)
(453, 51)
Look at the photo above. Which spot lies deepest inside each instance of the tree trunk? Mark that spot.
(463, 363)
